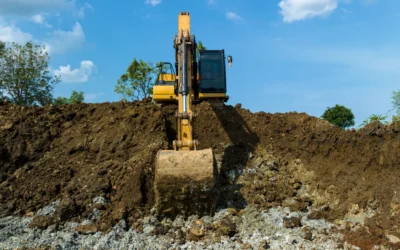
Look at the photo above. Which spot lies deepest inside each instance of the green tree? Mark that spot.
(396, 101)
(200, 47)
(138, 80)
(76, 97)
(396, 118)
(24, 75)
(374, 117)
(60, 101)
(2, 48)
(339, 116)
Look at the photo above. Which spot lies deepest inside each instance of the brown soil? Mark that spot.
(78, 152)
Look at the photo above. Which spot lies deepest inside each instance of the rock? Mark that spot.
(264, 245)
(179, 236)
(87, 229)
(160, 230)
(232, 211)
(226, 227)
(30, 214)
(247, 246)
(291, 222)
(66, 210)
(196, 230)
(307, 233)
(395, 203)
(41, 222)
(238, 106)
(272, 166)
(393, 239)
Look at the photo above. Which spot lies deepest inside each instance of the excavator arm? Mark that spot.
(185, 52)
(185, 177)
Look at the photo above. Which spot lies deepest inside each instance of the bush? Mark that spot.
(340, 116)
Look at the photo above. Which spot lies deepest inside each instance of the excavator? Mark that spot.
(185, 176)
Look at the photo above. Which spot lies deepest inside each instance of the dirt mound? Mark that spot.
(76, 153)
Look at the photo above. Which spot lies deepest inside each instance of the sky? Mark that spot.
(288, 55)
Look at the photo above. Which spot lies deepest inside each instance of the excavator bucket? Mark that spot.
(185, 182)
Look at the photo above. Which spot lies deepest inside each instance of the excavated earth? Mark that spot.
(87, 170)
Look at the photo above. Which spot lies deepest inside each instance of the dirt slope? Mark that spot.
(80, 152)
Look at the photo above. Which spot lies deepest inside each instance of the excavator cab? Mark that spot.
(212, 76)
(164, 88)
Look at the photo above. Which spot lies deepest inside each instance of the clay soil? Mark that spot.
(75, 153)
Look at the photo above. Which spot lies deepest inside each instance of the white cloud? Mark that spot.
(62, 41)
(211, 2)
(94, 96)
(232, 16)
(296, 10)
(152, 2)
(39, 19)
(30, 7)
(80, 13)
(10, 33)
(76, 75)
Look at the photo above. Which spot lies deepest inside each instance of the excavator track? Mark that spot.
(185, 182)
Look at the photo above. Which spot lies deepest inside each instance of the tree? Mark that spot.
(138, 80)
(2, 48)
(76, 97)
(396, 101)
(24, 75)
(395, 118)
(339, 116)
(200, 47)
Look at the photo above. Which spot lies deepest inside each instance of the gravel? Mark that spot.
(252, 229)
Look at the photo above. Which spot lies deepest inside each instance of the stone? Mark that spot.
(291, 222)
(307, 233)
(87, 229)
(196, 230)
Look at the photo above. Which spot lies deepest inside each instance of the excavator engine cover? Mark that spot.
(185, 182)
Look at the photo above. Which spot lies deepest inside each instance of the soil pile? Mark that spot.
(78, 153)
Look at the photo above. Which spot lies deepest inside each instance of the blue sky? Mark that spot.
(288, 55)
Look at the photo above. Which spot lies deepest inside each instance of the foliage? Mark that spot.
(2, 48)
(76, 97)
(138, 80)
(396, 101)
(24, 75)
(200, 46)
(396, 118)
(339, 116)
(374, 117)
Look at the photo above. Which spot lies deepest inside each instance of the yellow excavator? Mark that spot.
(186, 177)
